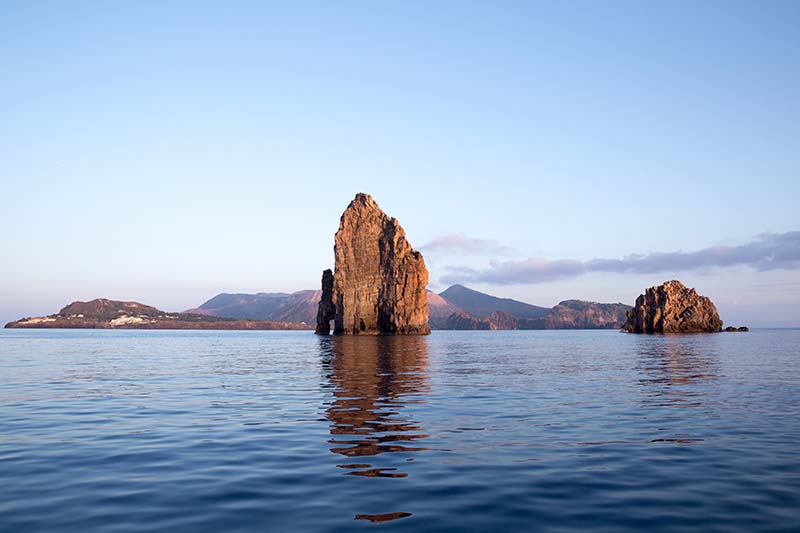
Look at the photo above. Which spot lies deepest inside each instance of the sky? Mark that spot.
(164, 152)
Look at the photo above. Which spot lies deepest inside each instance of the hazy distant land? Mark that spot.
(457, 307)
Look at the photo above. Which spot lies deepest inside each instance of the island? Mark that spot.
(111, 314)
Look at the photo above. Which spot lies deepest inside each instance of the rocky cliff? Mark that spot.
(672, 308)
(379, 280)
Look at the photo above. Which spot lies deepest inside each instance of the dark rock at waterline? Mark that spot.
(327, 308)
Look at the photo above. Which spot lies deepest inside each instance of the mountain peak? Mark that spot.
(483, 305)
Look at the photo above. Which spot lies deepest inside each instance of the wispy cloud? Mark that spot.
(460, 243)
(768, 251)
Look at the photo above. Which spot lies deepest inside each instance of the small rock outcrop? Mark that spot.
(672, 308)
(730, 329)
(379, 280)
(327, 309)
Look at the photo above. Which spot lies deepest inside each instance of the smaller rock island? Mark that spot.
(740, 329)
(672, 308)
(378, 286)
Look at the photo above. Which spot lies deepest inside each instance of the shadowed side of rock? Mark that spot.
(672, 308)
(327, 308)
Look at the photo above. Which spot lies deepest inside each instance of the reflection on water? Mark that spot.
(143, 431)
(675, 369)
(374, 379)
(675, 373)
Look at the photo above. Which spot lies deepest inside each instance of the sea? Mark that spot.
(217, 431)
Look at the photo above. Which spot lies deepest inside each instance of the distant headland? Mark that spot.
(111, 314)
(456, 308)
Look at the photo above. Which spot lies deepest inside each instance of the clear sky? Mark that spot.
(167, 151)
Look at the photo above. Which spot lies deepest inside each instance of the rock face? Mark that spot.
(379, 279)
(672, 308)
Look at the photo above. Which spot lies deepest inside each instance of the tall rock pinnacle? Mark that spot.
(379, 279)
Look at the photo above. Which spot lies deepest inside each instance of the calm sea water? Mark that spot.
(286, 431)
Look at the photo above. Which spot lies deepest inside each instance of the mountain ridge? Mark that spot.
(483, 305)
(299, 306)
(457, 307)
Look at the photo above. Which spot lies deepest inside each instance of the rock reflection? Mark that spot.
(374, 379)
(675, 368)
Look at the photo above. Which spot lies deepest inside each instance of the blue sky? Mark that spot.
(167, 151)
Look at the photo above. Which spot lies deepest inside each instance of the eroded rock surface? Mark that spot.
(672, 308)
(379, 280)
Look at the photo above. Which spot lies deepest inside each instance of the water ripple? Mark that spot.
(469, 431)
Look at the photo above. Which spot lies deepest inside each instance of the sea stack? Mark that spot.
(327, 309)
(672, 308)
(379, 280)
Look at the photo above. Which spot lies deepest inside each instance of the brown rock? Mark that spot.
(379, 279)
(672, 308)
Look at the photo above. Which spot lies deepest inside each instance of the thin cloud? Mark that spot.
(460, 243)
(768, 251)
(534, 270)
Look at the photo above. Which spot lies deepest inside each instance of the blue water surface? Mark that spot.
(470, 431)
